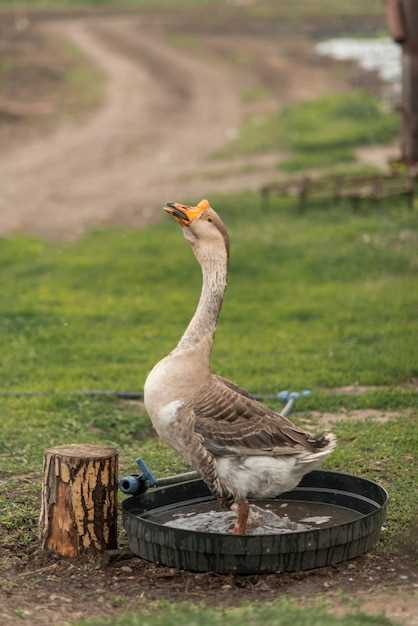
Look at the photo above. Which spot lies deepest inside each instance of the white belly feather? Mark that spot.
(258, 476)
(263, 476)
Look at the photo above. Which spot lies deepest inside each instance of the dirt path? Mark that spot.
(164, 113)
(124, 161)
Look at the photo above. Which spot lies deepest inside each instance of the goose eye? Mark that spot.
(210, 219)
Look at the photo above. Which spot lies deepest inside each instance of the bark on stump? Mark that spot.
(79, 499)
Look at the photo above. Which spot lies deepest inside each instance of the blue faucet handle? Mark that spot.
(283, 395)
(147, 475)
(293, 395)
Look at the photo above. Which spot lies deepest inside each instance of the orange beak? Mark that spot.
(184, 214)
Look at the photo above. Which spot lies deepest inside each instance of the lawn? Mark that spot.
(277, 614)
(318, 133)
(333, 295)
(321, 299)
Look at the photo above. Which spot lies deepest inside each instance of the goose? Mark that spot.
(242, 449)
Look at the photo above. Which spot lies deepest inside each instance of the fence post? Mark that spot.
(402, 16)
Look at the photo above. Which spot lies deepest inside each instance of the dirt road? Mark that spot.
(165, 111)
(159, 119)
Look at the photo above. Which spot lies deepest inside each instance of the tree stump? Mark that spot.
(79, 499)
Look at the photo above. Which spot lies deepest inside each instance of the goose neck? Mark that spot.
(203, 323)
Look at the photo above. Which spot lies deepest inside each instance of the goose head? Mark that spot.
(202, 228)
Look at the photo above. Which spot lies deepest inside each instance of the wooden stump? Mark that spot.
(79, 499)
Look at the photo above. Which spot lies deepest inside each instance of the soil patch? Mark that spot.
(361, 415)
(46, 590)
(359, 390)
(399, 605)
(43, 82)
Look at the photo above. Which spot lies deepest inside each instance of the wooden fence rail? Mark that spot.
(353, 189)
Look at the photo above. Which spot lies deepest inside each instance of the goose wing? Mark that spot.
(230, 421)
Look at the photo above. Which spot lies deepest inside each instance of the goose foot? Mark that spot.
(243, 509)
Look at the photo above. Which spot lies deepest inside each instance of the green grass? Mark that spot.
(281, 613)
(327, 298)
(312, 301)
(315, 159)
(380, 451)
(83, 82)
(254, 94)
(318, 133)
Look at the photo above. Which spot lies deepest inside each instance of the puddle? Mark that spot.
(317, 520)
(273, 517)
(381, 55)
(260, 522)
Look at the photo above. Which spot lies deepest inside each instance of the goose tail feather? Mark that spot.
(326, 444)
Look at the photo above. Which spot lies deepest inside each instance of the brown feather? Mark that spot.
(229, 418)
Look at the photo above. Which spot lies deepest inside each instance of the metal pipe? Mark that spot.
(178, 478)
(288, 408)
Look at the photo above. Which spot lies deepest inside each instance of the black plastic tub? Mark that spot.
(359, 506)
